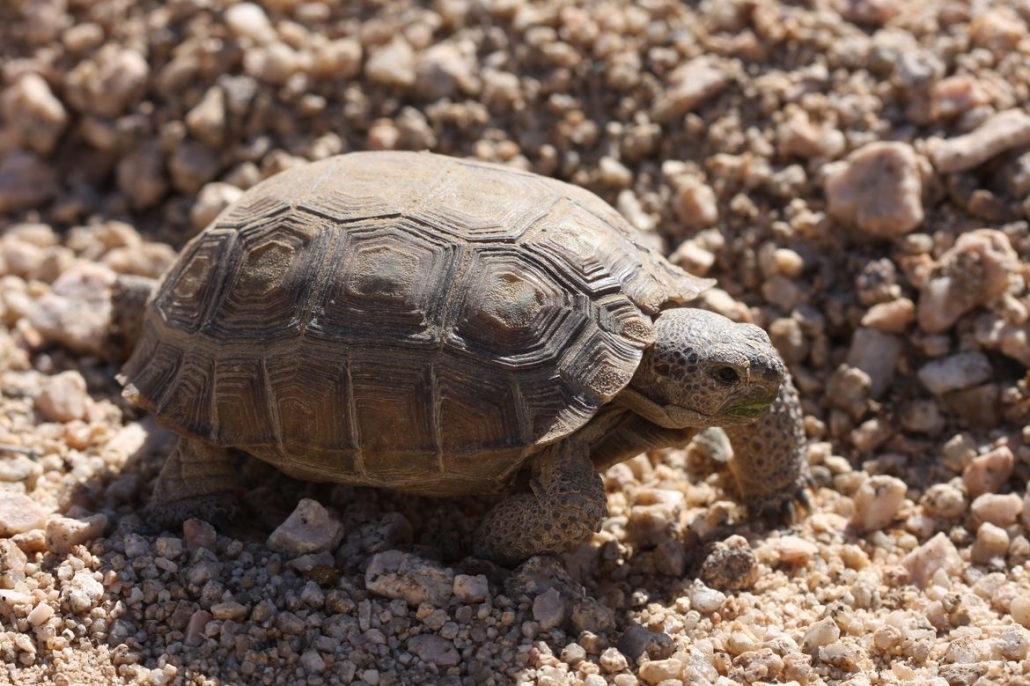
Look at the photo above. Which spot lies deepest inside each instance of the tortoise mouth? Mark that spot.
(748, 411)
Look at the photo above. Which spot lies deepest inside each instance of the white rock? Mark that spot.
(211, 200)
(822, 633)
(989, 472)
(689, 86)
(248, 20)
(40, 614)
(63, 397)
(875, 353)
(937, 554)
(77, 310)
(19, 513)
(974, 271)
(309, 529)
(64, 533)
(877, 190)
(999, 510)
(82, 592)
(108, 83)
(1004, 131)
(392, 64)
(703, 599)
(395, 574)
(548, 609)
(956, 372)
(992, 542)
(876, 503)
(471, 589)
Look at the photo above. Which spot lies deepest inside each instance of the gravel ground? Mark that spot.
(855, 173)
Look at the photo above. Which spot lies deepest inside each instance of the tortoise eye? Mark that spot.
(727, 375)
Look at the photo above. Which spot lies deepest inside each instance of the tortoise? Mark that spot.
(445, 327)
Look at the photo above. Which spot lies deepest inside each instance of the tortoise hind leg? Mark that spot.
(565, 505)
(770, 464)
(197, 480)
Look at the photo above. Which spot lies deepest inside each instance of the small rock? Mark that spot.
(63, 397)
(696, 205)
(704, 599)
(873, 12)
(974, 271)
(40, 614)
(26, 181)
(20, 469)
(191, 166)
(198, 534)
(659, 671)
(822, 633)
(206, 121)
(443, 70)
(989, 472)
(273, 64)
(876, 503)
(392, 64)
(312, 662)
(395, 574)
(195, 627)
(877, 190)
(1019, 610)
(944, 501)
(890, 317)
(956, 372)
(790, 550)
(310, 529)
(248, 20)
(83, 592)
(230, 610)
(689, 85)
(613, 661)
(141, 175)
(999, 510)
(992, 543)
(33, 114)
(77, 310)
(848, 389)
(109, 83)
(731, 565)
(1003, 131)
(211, 200)
(471, 589)
(434, 650)
(337, 59)
(64, 533)
(937, 554)
(548, 609)
(19, 513)
(955, 95)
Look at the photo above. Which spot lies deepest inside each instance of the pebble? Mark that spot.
(548, 609)
(876, 503)
(989, 472)
(196, 627)
(877, 354)
(63, 397)
(1019, 610)
(704, 599)
(192, 165)
(471, 589)
(956, 95)
(955, 372)
(793, 551)
(64, 533)
(731, 565)
(199, 534)
(973, 272)
(890, 317)
(877, 190)
(822, 633)
(392, 64)
(309, 529)
(37, 118)
(20, 469)
(248, 20)
(108, 83)
(944, 501)
(434, 649)
(696, 205)
(211, 200)
(848, 389)
(999, 510)
(443, 70)
(1000, 133)
(936, 555)
(26, 181)
(83, 592)
(19, 513)
(873, 12)
(40, 614)
(142, 177)
(206, 121)
(992, 543)
(690, 85)
(612, 661)
(76, 312)
(395, 574)
(337, 59)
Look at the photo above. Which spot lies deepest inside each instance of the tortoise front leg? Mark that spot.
(770, 464)
(197, 481)
(566, 504)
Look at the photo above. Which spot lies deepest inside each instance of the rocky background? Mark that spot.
(854, 172)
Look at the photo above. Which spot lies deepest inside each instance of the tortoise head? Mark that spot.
(705, 370)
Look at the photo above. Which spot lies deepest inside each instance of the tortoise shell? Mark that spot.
(401, 319)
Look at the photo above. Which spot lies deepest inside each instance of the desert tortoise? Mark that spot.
(438, 326)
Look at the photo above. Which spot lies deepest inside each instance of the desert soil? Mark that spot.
(854, 173)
